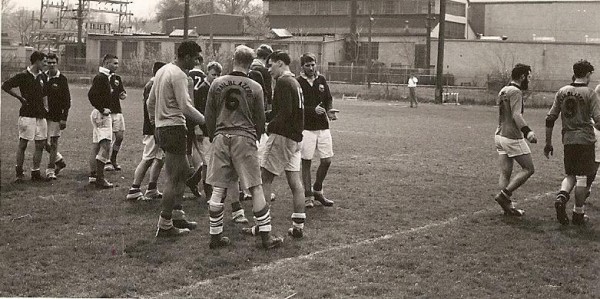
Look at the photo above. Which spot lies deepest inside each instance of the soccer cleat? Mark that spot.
(296, 232)
(272, 242)
(561, 212)
(171, 232)
(239, 217)
(193, 187)
(103, 184)
(184, 224)
(506, 205)
(218, 241)
(309, 203)
(59, 165)
(134, 194)
(245, 197)
(36, 176)
(19, 180)
(324, 201)
(273, 197)
(153, 194)
(92, 179)
(580, 219)
(51, 176)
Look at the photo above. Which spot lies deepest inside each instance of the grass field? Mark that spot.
(413, 217)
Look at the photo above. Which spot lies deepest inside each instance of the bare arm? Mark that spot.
(151, 104)
(210, 113)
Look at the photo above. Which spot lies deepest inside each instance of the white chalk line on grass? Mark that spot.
(289, 260)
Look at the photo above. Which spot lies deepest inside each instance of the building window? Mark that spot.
(151, 50)
(129, 50)
(340, 8)
(108, 47)
(455, 30)
(363, 52)
(456, 8)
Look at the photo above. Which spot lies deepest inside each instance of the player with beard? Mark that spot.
(577, 106)
(510, 139)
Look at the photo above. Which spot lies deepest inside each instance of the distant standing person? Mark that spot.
(32, 115)
(235, 119)
(577, 105)
(316, 137)
(510, 139)
(259, 64)
(412, 89)
(169, 106)
(59, 103)
(100, 96)
(152, 156)
(117, 94)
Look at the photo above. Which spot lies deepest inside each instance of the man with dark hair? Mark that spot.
(32, 115)
(235, 120)
(152, 156)
(194, 137)
(118, 121)
(316, 136)
(169, 106)
(577, 105)
(59, 103)
(259, 65)
(282, 150)
(100, 96)
(510, 139)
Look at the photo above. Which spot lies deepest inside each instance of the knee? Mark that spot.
(530, 170)
(326, 162)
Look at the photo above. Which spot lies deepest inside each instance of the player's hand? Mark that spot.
(122, 95)
(548, 150)
(320, 110)
(106, 111)
(531, 137)
(23, 101)
(331, 115)
(63, 124)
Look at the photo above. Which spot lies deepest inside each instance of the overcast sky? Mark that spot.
(140, 8)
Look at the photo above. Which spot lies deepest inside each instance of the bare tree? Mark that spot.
(20, 24)
(235, 7)
(7, 7)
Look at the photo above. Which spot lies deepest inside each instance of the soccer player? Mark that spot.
(118, 121)
(316, 135)
(259, 64)
(59, 103)
(282, 150)
(510, 139)
(152, 157)
(194, 137)
(577, 105)
(412, 88)
(100, 96)
(235, 120)
(32, 115)
(169, 105)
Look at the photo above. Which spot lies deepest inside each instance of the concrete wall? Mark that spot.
(471, 61)
(563, 21)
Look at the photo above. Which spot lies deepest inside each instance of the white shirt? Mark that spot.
(412, 81)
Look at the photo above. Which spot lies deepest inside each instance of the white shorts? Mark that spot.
(151, 149)
(118, 122)
(205, 150)
(280, 154)
(31, 128)
(53, 129)
(597, 145)
(102, 126)
(319, 141)
(511, 147)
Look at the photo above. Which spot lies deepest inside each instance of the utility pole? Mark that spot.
(80, 29)
(428, 26)
(439, 82)
(210, 27)
(369, 51)
(186, 17)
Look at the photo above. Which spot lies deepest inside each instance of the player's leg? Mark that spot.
(21, 148)
(101, 160)
(194, 154)
(116, 147)
(135, 191)
(325, 152)
(585, 165)
(41, 138)
(299, 215)
(237, 212)
(309, 146)
(53, 146)
(152, 190)
(220, 175)
(505, 165)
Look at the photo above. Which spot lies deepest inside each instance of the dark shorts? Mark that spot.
(172, 139)
(579, 159)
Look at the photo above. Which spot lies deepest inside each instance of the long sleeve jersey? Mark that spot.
(59, 97)
(169, 102)
(577, 105)
(116, 85)
(235, 106)
(100, 91)
(315, 94)
(510, 117)
(31, 87)
(287, 116)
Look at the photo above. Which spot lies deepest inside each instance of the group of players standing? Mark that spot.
(578, 106)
